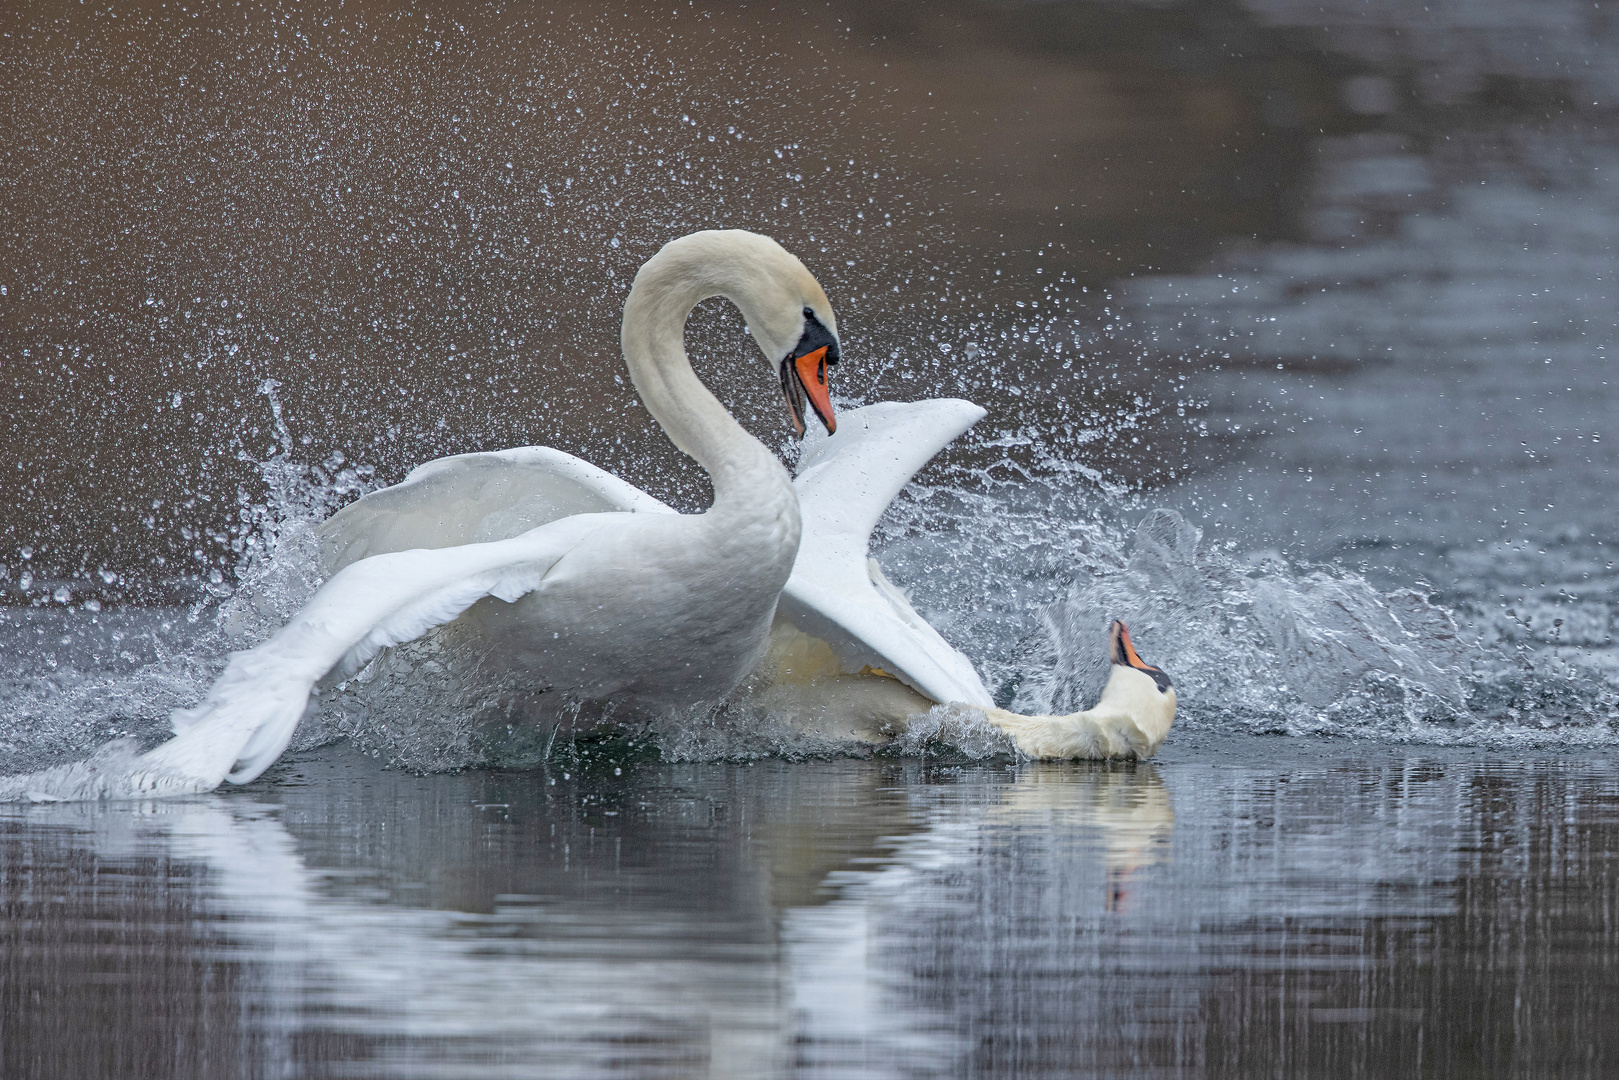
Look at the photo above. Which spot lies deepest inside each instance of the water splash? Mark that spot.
(82, 675)
(1255, 644)
(955, 730)
(279, 568)
(1259, 646)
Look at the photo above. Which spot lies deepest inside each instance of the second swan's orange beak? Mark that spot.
(1127, 647)
(1123, 652)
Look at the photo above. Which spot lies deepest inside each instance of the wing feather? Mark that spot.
(475, 498)
(252, 710)
(837, 593)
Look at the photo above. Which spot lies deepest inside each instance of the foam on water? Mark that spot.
(1255, 642)
(1264, 647)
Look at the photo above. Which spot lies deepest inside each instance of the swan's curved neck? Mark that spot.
(664, 294)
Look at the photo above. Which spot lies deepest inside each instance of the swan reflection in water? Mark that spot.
(1129, 812)
(496, 932)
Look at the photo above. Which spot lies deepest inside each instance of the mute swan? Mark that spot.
(849, 654)
(649, 610)
(849, 658)
(1131, 719)
(592, 590)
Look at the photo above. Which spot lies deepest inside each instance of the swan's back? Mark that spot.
(475, 498)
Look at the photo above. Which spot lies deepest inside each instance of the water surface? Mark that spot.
(1235, 909)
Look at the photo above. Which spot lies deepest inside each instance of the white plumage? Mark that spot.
(567, 579)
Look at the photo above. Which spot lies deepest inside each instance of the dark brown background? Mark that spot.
(423, 226)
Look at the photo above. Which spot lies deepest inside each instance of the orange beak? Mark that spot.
(804, 379)
(811, 368)
(803, 373)
(1123, 651)
(1130, 655)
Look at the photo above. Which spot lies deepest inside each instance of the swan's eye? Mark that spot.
(1158, 677)
(815, 336)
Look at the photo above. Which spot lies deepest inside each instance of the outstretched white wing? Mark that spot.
(475, 498)
(837, 592)
(251, 711)
(249, 715)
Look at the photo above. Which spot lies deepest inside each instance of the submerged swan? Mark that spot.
(1131, 719)
(852, 656)
(591, 590)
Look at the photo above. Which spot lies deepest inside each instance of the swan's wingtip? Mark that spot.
(961, 403)
(971, 411)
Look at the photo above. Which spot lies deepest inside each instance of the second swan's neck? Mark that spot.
(745, 474)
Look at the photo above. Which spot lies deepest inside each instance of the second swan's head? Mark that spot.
(1139, 689)
(1122, 652)
(786, 310)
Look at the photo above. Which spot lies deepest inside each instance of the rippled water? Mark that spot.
(1232, 910)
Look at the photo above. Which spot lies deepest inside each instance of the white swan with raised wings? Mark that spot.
(591, 590)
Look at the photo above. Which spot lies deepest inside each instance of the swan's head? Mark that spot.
(1137, 687)
(791, 319)
(804, 369)
(786, 310)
